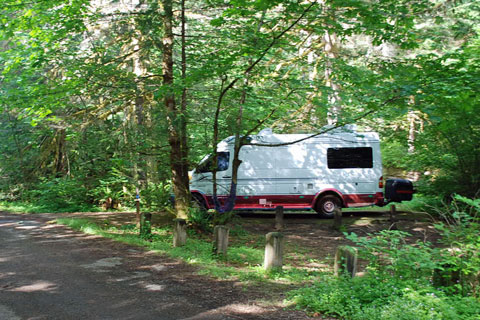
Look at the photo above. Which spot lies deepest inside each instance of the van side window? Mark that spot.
(223, 159)
(347, 158)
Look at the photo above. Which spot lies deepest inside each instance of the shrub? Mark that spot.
(460, 231)
(111, 191)
(371, 298)
(200, 219)
(60, 195)
(156, 196)
(388, 253)
(206, 219)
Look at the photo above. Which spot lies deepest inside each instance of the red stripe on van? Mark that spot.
(295, 201)
(363, 200)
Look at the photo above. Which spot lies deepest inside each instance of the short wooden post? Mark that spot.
(274, 250)
(337, 219)
(393, 219)
(279, 223)
(220, 240)
(146, 224)
(137, 205)
(179, 232)
(346, 261)
(393, 213)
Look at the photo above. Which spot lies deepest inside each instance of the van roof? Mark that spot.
(346, 133)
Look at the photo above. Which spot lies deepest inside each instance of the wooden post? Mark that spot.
(220, 240)
(146, 224)
(279, 224)
(137, 205)
(393, 213)
(393, 219)
(346, 261)
(337, 219)
(179, 232)
(274, 250)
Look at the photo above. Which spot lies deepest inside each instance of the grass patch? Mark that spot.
(26, 207)
(19, 207)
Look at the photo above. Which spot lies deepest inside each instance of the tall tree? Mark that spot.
(176, 128)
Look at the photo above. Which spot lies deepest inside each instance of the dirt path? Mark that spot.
(51, 272)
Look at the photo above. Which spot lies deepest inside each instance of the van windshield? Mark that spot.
(223, 159)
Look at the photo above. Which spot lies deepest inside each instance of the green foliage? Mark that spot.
(156, 196)
(22, 207)
(206, 219)
(388, 253)
(112, 189)
(200, 218)
(372, 297)
(246, 256)
(60, 195)
(444, 121)
(461, 235)
(223, 218)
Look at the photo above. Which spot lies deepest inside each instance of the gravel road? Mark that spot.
(51, 272)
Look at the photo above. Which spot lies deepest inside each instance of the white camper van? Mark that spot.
(340, 168)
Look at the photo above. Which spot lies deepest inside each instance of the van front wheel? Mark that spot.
(198, 202)
(326, 206)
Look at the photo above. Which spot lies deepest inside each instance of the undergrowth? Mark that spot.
(372, 297)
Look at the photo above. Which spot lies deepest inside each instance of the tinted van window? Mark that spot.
(347, 158)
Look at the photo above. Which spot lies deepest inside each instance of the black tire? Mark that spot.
(326, 206)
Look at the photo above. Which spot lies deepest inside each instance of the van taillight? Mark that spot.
(380, 182)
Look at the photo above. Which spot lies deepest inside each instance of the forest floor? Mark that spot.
(310, 243)
(306, 231)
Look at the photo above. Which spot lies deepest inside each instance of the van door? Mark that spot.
(257, 171)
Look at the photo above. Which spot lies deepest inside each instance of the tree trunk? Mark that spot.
(141, 170)
(331, 53)
(183, 108)
(60, 152)
(178, 161)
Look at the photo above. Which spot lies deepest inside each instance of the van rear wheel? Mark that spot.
(326, 206)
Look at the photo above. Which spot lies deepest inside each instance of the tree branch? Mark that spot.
(265, 51)
(325, 130)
